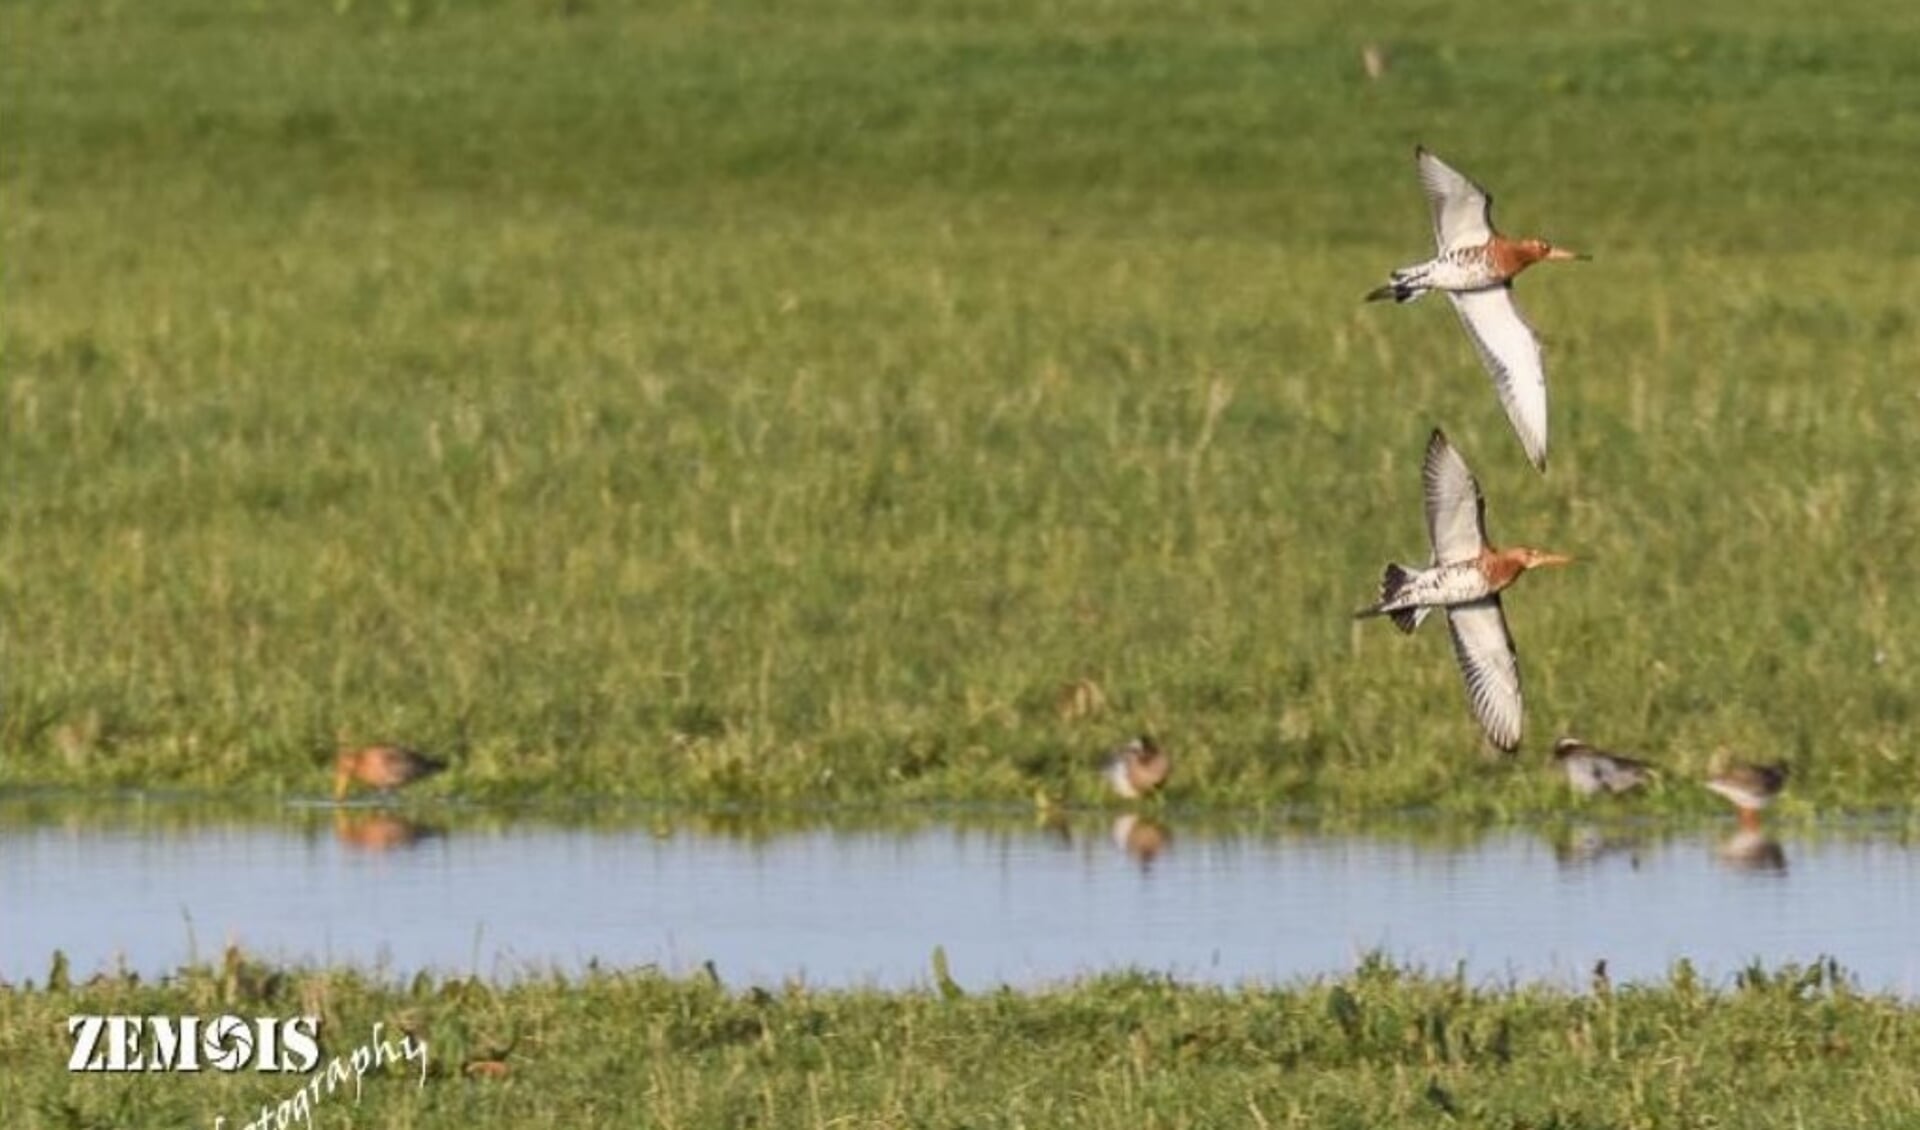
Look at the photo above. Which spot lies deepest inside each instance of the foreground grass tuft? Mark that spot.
(1380, 1047)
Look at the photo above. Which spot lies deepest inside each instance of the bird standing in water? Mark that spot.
(1475, 267)
(1749, 787)
(1591, 770)
(1138, 769)
(383, 767)
(1465, 578)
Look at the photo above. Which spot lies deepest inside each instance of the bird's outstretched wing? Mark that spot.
(1490, 667)
(1462, 210)
(1456, 512)
(1511, 354)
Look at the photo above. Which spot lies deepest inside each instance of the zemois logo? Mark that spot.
(235, 1043)
(189, 1043)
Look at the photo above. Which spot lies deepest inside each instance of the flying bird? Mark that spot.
(1591, 770)
(1476, 266)
(1465, 578)
(1138, 768)
(383, 767)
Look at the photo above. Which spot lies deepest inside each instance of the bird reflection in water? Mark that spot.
(1585, 845)
(1751, 849)
(380, 831)
(1141, 837)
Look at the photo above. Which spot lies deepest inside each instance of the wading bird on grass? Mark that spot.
(1749, 787)
(1476, 266)
(1138, 769)
(1591, 770)
(1465, 578)
(383, 767)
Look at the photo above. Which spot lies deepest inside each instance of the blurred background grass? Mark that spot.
(766, 402)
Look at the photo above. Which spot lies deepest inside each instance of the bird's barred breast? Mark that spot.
(1469, 268)
(1444, 585)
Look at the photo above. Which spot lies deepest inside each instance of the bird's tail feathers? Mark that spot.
(1403, 287)
(1393, 585)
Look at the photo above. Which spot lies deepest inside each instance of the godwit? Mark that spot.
(1591, 770)
(1465, 578)
(1475, 267)
(383, 767)
(1750, 788)
(1139, 768)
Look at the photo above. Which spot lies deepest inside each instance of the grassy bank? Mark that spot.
(1381, 1047)
(729, 402)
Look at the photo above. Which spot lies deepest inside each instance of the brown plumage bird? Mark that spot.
(1466, 578)
(1749, 787)
(1138, 769)
(1475, 267)
(383, 767)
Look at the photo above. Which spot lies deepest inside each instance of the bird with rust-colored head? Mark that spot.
(1749, 788)
(1466, 577)
(382, 767)
(1475, 267)
(1138, 769)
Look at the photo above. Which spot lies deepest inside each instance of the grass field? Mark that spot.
(737, 401)
(1380, 1047)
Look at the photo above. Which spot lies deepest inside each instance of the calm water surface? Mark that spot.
(1013, 903)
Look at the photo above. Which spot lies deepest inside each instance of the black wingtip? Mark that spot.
(1393, 582)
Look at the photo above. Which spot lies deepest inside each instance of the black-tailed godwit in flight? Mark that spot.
(1466, 577)
(1475, 267)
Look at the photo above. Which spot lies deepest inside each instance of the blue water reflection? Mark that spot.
(1014, 904)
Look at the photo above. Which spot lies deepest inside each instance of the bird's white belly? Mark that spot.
(1462, 270)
